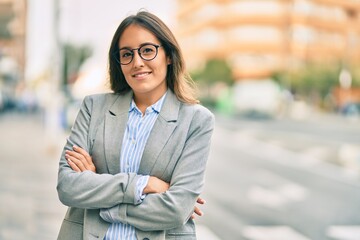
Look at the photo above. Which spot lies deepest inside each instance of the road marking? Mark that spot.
(254, 147)
(274, 191)
(265, 197)
(204, 233)
(344, 232)
(272, 233)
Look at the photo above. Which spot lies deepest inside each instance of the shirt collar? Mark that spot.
(156, 107)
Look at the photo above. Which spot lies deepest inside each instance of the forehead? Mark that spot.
(135, 35)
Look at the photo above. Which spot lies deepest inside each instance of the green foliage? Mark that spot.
(315, 80)
(310, 79)
(215, 70)
(355, 70)
(214, 73)
(5, 20)
(73, 58)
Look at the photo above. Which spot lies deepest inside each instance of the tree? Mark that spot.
(215, 70)
(74, 57)
(211, 79)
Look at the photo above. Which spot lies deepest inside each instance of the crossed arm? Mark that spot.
(79, 160)
(164, 207)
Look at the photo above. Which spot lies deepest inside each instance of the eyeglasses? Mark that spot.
(147, 52)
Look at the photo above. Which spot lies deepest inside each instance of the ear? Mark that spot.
(168, 60)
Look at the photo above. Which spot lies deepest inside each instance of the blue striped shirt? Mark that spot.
(135, 137)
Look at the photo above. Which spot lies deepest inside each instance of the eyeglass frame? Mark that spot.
(117, 52)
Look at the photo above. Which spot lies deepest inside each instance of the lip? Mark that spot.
(141, 75)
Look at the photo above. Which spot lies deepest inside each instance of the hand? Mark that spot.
(156, 185)
(197, 210)
(79, 160)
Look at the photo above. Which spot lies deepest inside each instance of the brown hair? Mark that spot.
(177, 79)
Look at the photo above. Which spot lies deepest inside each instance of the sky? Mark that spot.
(82, 22)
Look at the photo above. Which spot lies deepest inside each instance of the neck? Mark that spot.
(143, 101)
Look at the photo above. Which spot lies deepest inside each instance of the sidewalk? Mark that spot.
(29, 206)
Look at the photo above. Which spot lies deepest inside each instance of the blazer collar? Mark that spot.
(169, 110)
(159, 136)
(115, 124)
(121, 104)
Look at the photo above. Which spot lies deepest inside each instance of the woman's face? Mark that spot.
(146, 78)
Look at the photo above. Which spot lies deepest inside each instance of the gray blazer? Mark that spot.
(176, 152)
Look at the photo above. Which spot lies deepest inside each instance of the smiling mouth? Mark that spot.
(141, 74)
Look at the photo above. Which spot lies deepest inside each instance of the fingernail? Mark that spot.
(74, 147)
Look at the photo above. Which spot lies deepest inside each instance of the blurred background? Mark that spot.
(281, 76)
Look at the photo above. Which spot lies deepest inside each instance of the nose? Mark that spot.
(137, 60)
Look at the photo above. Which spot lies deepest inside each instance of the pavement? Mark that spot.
(29, 206)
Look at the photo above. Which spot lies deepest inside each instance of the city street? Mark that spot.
(266, 180)
(282, 78)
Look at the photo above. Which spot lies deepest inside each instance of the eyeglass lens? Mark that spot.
(147, 52)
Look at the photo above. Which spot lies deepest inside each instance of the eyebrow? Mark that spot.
(143, 44)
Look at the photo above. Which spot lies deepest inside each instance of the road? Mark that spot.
(268, 180)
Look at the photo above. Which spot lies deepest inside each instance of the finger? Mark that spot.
(75, 155)
(193, 216)
(198, 211)
(83, 153)
(73, 166)
(89, 163)
(78, 157)
(200, 200)
(76, 161)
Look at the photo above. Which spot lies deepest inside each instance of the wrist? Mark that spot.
(148, 188)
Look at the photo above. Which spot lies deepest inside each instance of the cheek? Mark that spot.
(162, 64)
(162, 68)
(126, 72)
(124, 69)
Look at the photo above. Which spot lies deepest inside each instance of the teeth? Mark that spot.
(141, 74)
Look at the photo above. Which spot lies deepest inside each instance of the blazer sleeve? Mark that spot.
(174, 207)
(87, 189)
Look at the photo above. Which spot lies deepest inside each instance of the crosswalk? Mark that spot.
(276, 193)
(273, 191)
(282, 232)
(351, 232)
(204, 233)
(272, 233)
(344, 232)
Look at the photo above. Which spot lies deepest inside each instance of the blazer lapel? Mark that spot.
(115, 124)
(161, 132)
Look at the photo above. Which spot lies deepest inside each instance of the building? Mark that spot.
(263, 36)
(12, 37)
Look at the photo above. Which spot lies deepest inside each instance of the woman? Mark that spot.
(133, 166)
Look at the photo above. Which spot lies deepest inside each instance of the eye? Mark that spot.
(125, 53)
(148, 49)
